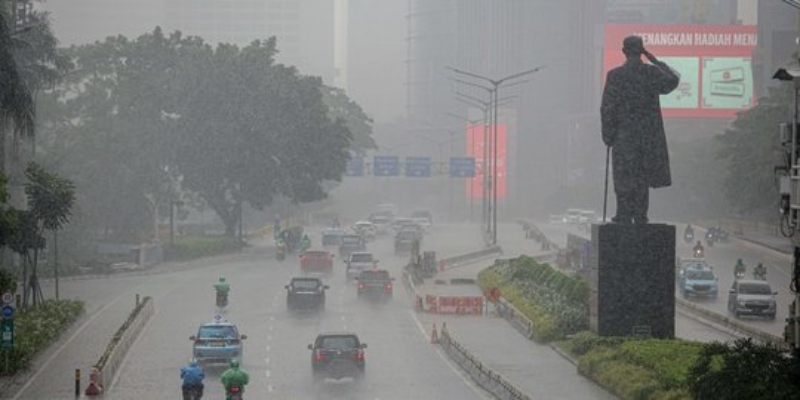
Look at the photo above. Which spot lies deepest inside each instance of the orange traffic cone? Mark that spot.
(434, 335)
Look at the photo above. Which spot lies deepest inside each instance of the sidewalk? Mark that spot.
(533, 368)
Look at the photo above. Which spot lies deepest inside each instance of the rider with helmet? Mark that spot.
(760, 272)
(740, 268)
(234, 377)
(698, 250)
(222, 287)
(305, 243)
(192, 376)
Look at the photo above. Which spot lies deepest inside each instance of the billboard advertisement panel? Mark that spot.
(714, 62)
(475, 147)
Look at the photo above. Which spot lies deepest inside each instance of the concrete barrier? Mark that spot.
(109, 363)
(453, 262)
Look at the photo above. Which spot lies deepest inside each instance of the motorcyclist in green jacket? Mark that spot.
(234, 377)
(222, 289)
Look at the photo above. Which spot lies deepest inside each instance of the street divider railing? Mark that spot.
(489, 380)
(731, 324)
(106, 367)
(456, 261)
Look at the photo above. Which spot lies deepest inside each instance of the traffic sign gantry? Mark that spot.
(355, 167)
(386, 166)
(462, 167)
(418, 167)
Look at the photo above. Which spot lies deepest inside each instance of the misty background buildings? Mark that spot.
(391, 57)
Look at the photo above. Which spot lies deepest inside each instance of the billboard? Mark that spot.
(714, 62)
(475, 148)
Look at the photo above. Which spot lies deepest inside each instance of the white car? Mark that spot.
(423, 222)
(366, 229)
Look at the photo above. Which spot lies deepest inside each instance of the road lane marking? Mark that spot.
(456, 369)
(269, 348)
(266, 360)
(270, 388)
(268, 373)
(63, 346)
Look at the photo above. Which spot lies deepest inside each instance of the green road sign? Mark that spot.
(7, 333)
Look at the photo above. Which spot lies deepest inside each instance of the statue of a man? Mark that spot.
(632, 126)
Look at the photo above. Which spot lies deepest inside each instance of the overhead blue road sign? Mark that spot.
(418, 167)
(386, 166)
(462, 167)
(355, 167)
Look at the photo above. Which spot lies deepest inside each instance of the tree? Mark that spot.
(252, 129)
(748, 152)
(16, 102)
(744, 370)
(360, 125)
(50, 200)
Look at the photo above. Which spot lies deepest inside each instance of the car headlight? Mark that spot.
(742, 303)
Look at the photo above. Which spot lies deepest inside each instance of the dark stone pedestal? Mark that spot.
(633, 280)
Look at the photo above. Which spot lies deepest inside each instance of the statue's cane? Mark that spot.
(605, 191)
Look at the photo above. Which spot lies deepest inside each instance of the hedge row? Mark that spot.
(556, 304)
(36, 328)
(187, 248)
(636, 369)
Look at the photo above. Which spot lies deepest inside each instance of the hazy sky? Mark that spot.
(377, 43)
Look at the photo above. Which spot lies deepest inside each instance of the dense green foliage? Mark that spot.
(142, 122)
(557, 304)
(745, 370)
(748, 153)
(36, 328)
(188, 248)
(636, 368)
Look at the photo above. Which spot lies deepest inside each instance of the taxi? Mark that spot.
(216, 342)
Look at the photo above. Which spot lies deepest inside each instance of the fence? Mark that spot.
(489, 380)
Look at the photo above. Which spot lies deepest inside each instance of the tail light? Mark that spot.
(318, 356)
(234, 389)
(360, 355)
(388, 287)
(360, 286)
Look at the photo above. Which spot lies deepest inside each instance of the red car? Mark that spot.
(316, 261)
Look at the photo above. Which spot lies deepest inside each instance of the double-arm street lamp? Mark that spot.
(493, 90)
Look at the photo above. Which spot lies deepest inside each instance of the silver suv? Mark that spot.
(752, 297)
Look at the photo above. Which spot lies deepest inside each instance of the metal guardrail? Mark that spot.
(515, 317)
(731, 324)
(489, 380)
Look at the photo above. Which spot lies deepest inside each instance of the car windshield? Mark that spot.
(350, 240)
(754, 288)
(305, 283)
(363, 257)
(379, 275)
(330, 239)
(406, 235)
(217, 332)
(317, 254)
(699, 275)
(339, 342)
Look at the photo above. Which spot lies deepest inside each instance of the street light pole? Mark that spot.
(496, 84)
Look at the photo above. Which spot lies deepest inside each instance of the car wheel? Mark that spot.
(771, 317)
(737, 314)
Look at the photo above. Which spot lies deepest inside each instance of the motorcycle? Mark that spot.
(234, 393)
(280, 252)
(698, 253)
(193, 393)
(222, 300)
(710, 238)
(759, 275)
(688, 237)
